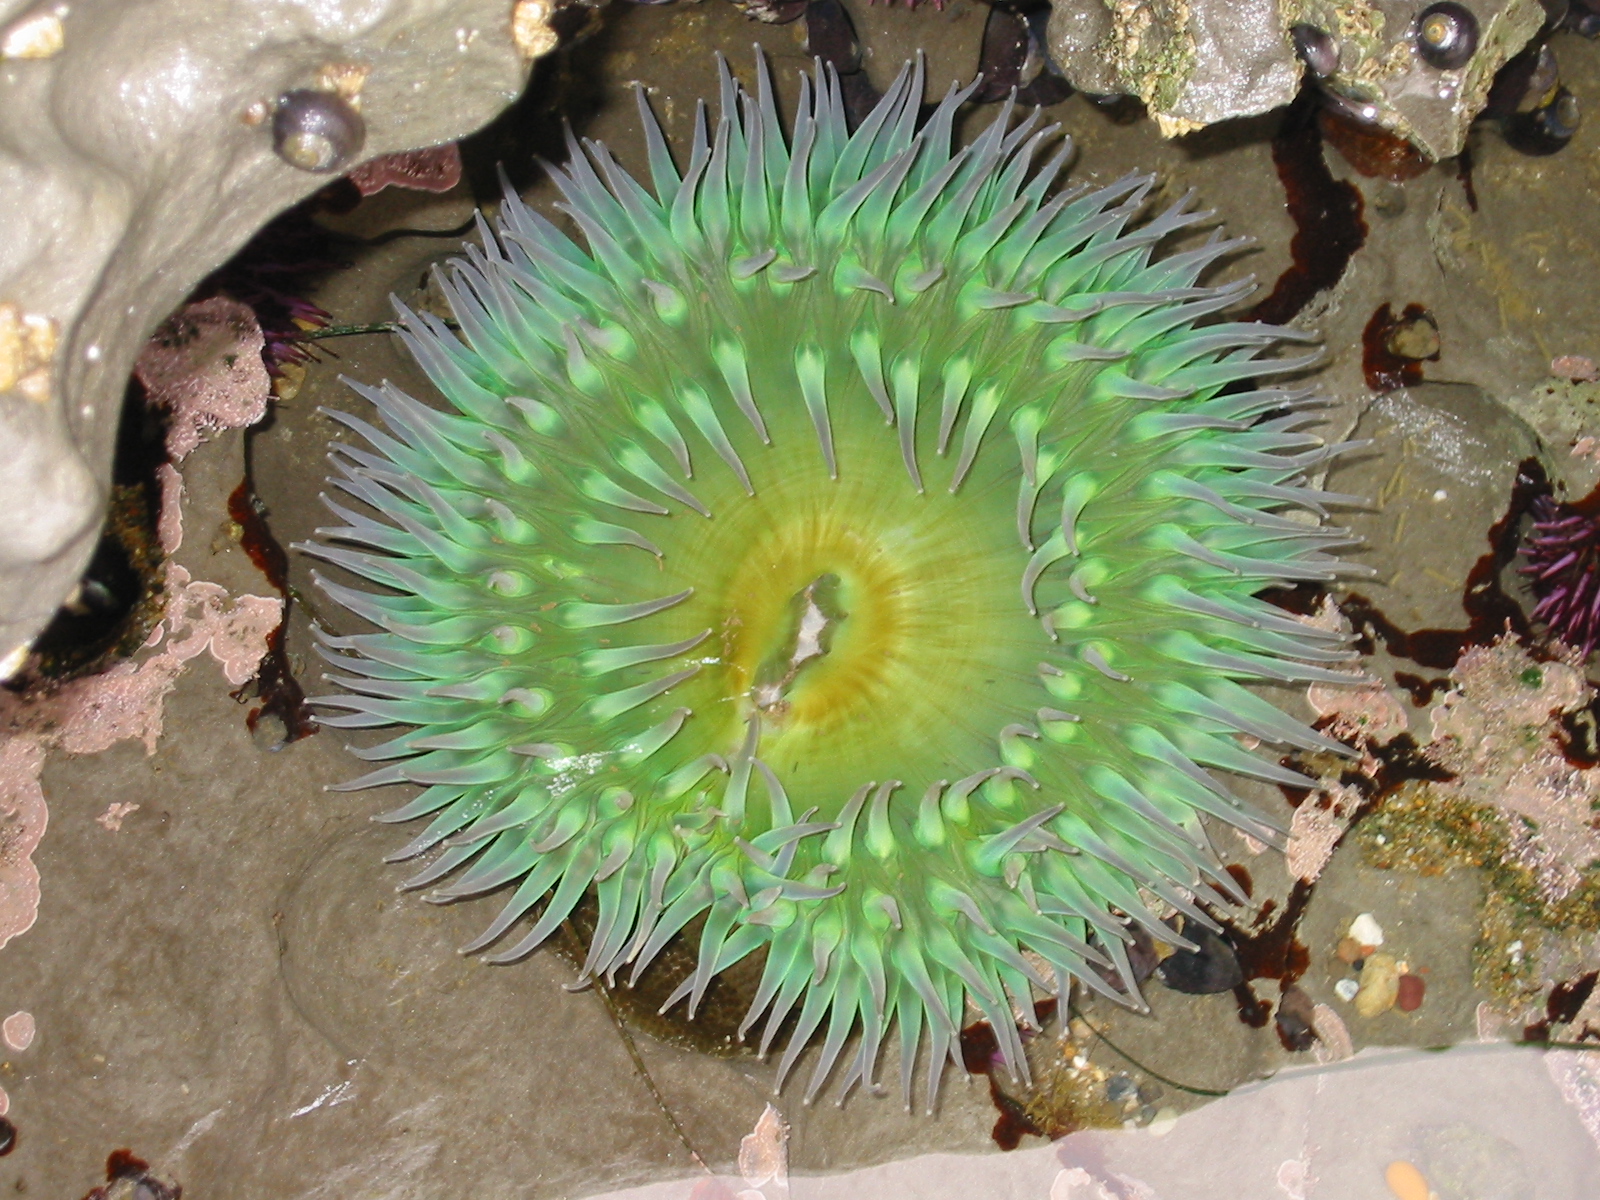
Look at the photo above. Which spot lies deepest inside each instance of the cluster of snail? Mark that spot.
(1538, 114)
(1445, 36)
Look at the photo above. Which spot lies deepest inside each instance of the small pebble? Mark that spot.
(1296, 1017)
(1350, 950)
(1416, 338)
(1408, 998)
(1366, 930)
(1577, 367)
(1163, 1123)
(1379, 987)
(1120, 1088)
(1346, 989)
(1406, 1182)
(17, 1031)
(1333, 1039)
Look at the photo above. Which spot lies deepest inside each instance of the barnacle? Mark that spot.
(851, 555)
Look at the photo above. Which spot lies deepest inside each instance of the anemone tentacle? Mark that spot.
(850, 553)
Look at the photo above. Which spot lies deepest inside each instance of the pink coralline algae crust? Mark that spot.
(125, 702)
(1369, 714)
(1362, 712)
(169, 523)
(763, 1152)
(204, 368)
(23, 817)
(1577, 367)
(1315, 829)
(1496, 730)
(436, 169)
(116, 812)
(17, 1031)
(200, 617)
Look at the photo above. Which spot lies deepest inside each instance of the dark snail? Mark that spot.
(317, 131)
(1446, 35)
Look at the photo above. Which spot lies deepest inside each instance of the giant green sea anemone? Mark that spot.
(849, 557)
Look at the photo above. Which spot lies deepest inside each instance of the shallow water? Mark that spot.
(228, 984)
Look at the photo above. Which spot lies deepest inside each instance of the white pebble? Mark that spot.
(1366, 930)
(1346, 989)
(1163, 1123)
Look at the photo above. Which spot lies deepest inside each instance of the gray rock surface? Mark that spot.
(1438, 475)
(136, 154)
(1196, 63)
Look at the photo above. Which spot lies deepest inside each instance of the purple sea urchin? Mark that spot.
(854, 550)
(1563, 553)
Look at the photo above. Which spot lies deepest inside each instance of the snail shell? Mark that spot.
(1446, 35)
(317, 131)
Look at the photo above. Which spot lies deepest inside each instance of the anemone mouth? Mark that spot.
(862, 628)
(853, 550)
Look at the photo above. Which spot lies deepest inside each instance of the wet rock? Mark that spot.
(1191, 64)
(129, 1177)
(1442, 464)
(1211, 967)
(138, 154)
(1461, 1160)
(1421, 71)
(1548, 128)
(1120, 1088)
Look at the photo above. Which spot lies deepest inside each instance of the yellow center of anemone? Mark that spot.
(869, 630)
